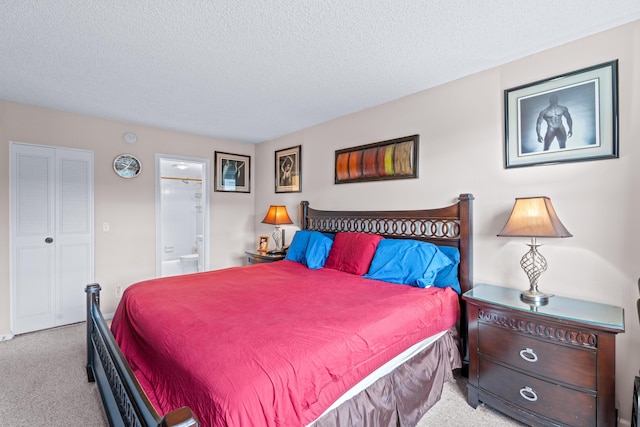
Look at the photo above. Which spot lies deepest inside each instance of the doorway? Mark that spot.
(52, 235)
(182, 213)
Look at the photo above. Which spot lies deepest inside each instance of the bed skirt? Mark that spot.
(403, 396)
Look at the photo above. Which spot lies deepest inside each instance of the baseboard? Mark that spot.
(6, 337)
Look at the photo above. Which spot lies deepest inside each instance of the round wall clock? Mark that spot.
(127, 166)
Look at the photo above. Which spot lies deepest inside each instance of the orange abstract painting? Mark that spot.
(392, 159)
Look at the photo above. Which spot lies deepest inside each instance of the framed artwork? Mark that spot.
(392, 159)
(568, 118)
(288, 170)
(232, 172)
(263, 243)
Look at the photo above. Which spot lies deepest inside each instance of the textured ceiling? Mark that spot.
(253, 70)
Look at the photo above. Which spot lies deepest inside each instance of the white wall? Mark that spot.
(181, 218)
(127, 253)
(462, 150)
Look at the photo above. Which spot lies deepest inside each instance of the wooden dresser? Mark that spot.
(546, 365)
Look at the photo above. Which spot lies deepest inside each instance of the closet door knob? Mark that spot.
(48, 240)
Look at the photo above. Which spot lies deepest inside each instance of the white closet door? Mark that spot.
(34, 260)
(52, 239)
(74, 237)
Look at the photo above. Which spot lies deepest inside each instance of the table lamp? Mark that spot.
(277, 215)
(534, 217)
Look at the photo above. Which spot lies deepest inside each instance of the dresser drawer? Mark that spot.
(557, 362)
(564, 405)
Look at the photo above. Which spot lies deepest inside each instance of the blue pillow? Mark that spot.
(448, 276)
(408, 262)
(298, 246)
(317, 250)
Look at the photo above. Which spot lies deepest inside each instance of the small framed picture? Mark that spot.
(232, 172)
(568, 118)
(263, 243)
(288, 170)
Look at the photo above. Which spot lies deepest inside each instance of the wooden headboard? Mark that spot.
(450, 226)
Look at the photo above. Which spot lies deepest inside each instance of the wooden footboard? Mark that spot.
(123, 399)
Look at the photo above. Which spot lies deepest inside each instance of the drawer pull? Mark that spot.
(528, 394)
(529, 355)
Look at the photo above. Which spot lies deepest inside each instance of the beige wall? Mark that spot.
(461, 150)
(126, 254)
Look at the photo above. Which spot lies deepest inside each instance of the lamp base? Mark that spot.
(278, 238)
(534, 264)
(533, 296)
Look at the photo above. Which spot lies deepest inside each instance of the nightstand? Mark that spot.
(254, 257)
(547, 365)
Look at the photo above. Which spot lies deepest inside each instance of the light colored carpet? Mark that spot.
(453, 411)
(43, 382)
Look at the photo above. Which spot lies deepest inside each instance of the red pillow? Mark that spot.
(352, 252)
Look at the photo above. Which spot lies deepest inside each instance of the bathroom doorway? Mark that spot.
(182, 215)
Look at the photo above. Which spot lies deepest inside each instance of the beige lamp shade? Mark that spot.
(277, 215)
(534, 217)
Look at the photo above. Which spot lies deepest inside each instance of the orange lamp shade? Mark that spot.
(277, 215)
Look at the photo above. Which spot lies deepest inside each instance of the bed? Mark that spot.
(234, 346)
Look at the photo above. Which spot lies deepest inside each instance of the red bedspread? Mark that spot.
(269, 344)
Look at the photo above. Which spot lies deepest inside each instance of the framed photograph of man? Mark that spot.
(288, 170)
(232, 173)
(568, 118)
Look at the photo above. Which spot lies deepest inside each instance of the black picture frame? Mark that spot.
(384, 160)
(232, 173)
(288, 170)
(567, 118)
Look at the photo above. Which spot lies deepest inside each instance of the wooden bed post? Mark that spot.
(466, 272)
(466, 240)
(304, 211)
(181, 417)
(93, 299)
